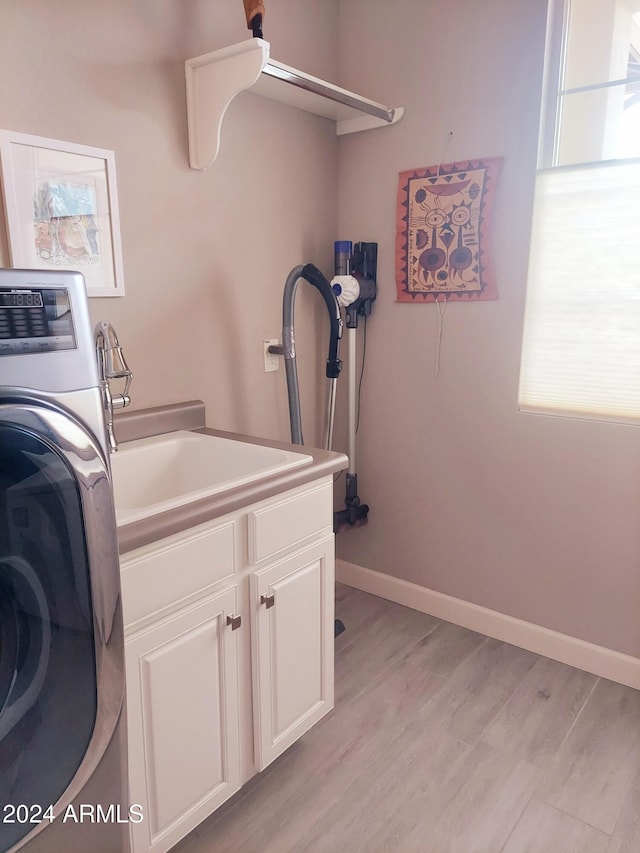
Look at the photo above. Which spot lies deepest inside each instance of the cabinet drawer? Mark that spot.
(164, 574)
(279, 525)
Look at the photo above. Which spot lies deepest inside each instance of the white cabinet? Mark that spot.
(228, 652)
(183, 719)
(292, 648)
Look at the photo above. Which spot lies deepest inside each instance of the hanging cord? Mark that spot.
(448, 143)
(442, 307)
(364, 351)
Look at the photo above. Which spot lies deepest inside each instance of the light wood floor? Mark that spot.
(445, 741)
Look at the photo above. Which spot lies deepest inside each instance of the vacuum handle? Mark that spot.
(254, 12)
(313, 275)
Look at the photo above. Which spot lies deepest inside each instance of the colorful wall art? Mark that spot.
(442, 232)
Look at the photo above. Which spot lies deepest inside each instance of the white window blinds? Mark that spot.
(581, 345)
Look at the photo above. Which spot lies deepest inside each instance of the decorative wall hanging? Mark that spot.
(62, 209)
(442, 229)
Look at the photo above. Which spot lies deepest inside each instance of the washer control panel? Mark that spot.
(35, 320)
(46, 336)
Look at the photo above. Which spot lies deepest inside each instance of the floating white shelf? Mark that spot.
(213, 81)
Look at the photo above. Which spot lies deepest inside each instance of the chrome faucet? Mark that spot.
(111, 365)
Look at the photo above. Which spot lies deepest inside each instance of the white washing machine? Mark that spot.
(63, 764)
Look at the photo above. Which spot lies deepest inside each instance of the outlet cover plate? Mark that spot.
(271, 360)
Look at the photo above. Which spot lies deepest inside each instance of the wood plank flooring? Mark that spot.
(445, 741)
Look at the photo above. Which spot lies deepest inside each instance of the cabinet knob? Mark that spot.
(269, 600)
(234, 621)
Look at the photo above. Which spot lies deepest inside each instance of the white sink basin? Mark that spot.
(152, 475)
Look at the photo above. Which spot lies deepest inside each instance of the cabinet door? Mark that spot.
(182, 695)
(292, 647)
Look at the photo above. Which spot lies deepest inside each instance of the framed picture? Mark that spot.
(62, 209)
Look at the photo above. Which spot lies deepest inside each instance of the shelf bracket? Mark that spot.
(214, 80)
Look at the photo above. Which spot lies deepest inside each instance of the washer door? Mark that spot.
(8, 644)
(58, 617)
(28, 641)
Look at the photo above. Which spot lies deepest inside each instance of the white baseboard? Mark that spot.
(599, 660)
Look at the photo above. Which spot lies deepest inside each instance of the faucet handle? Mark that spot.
(112, 361)
(121, 401)
(116, 366)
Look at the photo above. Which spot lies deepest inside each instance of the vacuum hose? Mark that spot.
(313, 275)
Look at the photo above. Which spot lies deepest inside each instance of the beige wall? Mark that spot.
(532, 516)
(206, 254)
(537, 517)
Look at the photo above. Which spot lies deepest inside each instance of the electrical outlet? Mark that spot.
(271, 360)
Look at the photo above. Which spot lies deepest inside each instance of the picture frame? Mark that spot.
(61, 206)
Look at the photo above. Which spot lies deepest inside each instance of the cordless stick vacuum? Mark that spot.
(355, 288)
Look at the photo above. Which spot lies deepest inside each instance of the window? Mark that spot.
(581, 346)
